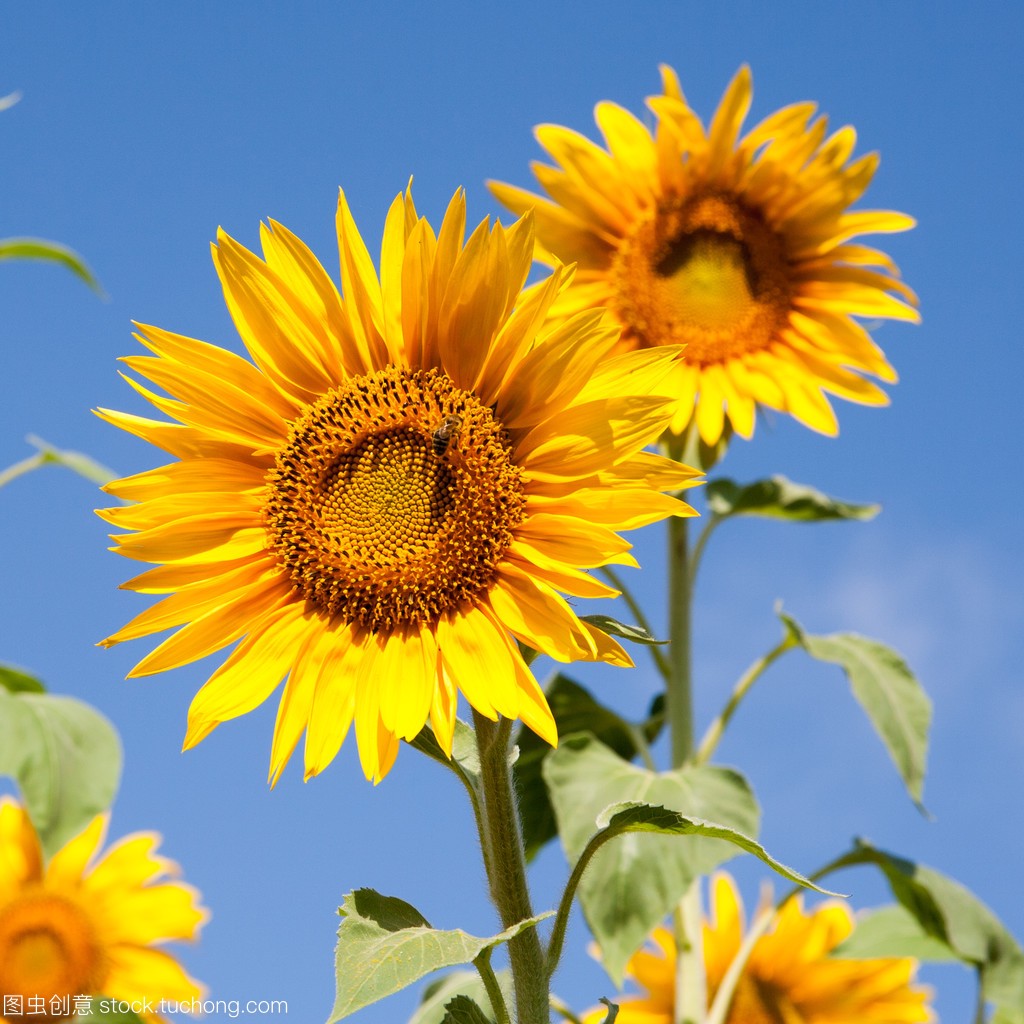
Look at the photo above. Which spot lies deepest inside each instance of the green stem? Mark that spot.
(641, 619)
(679, 696)
(20, 468)
(691, 980)
(690, 983)
(482, 963)
(979, 1006)
(740, 690)
(506, 869)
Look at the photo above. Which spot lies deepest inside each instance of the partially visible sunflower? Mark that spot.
(736, 247)
(790, 977)
(396, 492)
(87, 925)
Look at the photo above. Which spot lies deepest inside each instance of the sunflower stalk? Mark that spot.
(690, 1001)
(505, 860)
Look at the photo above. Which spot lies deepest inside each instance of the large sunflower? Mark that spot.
(80, 926)
(395, 492)
(790, 977)
(736, 247)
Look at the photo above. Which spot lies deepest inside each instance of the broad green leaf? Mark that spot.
(575, 710)
(779, 498)
(887, 690)
(65, 757)
(462, 1010)
(385, 944)
(437, 995)
(634, 882)
(16, 680)
(892, 932)
(53, 252)
(634, 634)
(956, 917)
(104, 1010)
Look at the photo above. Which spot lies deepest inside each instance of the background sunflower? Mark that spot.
(737, 244)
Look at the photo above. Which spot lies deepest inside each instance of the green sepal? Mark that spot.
(954, 916)
(632, 885)
(51, 252)
(575, 710)
(463, 1010)
(634, 634)
(65, 757)
(895, 702)
(465, 759)
(16, 680)
(385, 944)
(780, 498)
(439, 993)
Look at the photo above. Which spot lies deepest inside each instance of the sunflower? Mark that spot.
(81, 926)
(398, 488)
(737, 247)
(790, 977)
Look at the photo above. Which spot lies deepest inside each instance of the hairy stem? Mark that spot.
(506, 869)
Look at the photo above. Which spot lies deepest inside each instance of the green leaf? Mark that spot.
(16, 680)
(462, 1010)
(439, 993)
(65, 757)
(634, 817)
(575, 710)
(634, 634)
(892, 932)
(779, 498)
(887, 690)
(53, 252)
(631, 885)
(944, 909)
(104, 1010)
(385, 944)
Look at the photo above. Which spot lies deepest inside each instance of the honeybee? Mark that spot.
(442, 437)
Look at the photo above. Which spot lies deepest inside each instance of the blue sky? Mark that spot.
(143, 128)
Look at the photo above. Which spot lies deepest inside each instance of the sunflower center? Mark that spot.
(394, 499)
(704, 272)
(48, 949)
